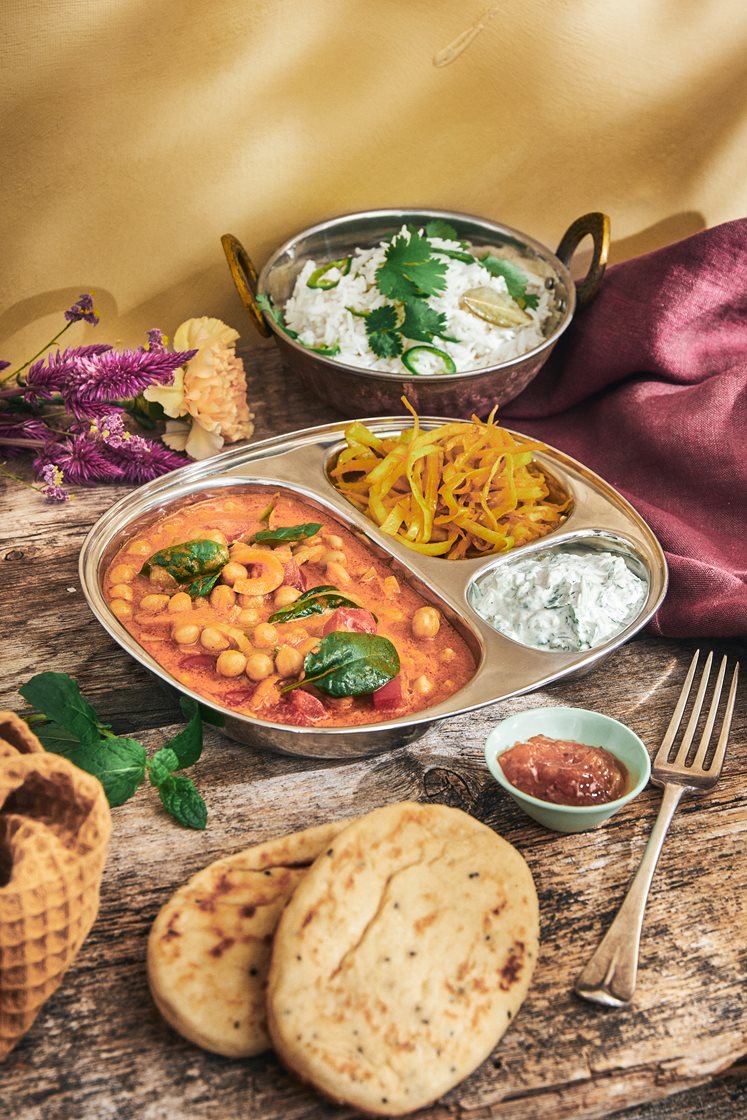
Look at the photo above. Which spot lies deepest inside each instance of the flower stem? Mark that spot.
(15, 372)
(15, 478)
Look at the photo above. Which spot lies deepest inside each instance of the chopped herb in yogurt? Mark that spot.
(561, 599)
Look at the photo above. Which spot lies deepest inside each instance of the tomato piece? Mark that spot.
(197, 661)
(293, 576)
(355, 620)
(238, 697)
(389, 696)
(309, 708)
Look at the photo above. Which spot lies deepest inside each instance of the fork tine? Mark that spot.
(705, 738)
(718, 758)
(692, 723)
(662, 754)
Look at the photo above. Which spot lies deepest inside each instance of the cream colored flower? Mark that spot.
(210, 391)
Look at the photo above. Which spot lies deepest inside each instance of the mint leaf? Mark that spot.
(439, 228)
(383, 334)
(182, 801)
(58, 697)
(422, 321)
(55, 738)
(119, 764)
(516, 279)
(186, 746)
(163, 763)
(409, 270)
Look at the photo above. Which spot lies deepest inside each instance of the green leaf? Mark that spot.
(316, 601)
(409, 270)
(515, 277)
(188, 560)
(58, 697)
(202, 586)
(56, 739)
(288, 533)
(422, 321)
(456, 254)
(187, 744)
(163, 763)
(119, 764)
(347, 664)
(182, 801)
(439, 228)
(383, 333)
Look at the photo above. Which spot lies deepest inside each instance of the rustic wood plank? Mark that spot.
(99, 1047)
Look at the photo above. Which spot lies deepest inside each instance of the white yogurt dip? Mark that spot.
(561, 599)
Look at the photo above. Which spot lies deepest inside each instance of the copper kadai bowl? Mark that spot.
(356, 391)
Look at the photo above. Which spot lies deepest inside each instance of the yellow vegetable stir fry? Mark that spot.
(468, 488)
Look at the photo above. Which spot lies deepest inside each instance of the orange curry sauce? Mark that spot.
(223, 646)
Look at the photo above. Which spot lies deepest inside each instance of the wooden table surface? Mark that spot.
(99, 1048)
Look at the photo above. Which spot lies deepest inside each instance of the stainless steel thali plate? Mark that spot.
(298, 463)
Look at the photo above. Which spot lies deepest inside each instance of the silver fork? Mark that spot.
(609, 977)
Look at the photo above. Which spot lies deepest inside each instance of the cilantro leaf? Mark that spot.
(58, 697)
(422, 321)
(182, 801)
(383, 333)
(439, 228)
(163, 763)
(409, 270)
(187, 744)
(119, 764)
(515, 277)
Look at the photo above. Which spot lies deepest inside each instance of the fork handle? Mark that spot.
(609, 977)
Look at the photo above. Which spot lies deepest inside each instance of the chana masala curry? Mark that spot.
(270, 607)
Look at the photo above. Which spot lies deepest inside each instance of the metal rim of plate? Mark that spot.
(298, 462)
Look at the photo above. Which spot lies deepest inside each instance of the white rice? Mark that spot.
(321, 318)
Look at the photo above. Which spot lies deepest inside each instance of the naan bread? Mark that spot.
(209, 948)
(402, 957)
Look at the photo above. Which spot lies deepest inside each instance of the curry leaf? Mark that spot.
(187, 561)
(288, 533)
(316, 601)
(202, 586)
(350, 664)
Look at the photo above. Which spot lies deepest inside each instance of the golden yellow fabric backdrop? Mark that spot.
(135, 132)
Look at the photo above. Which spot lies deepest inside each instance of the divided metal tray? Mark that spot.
(600, 517)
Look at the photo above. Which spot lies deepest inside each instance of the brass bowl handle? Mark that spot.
(245, 278)
(598, 226)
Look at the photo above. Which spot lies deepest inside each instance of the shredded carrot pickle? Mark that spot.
(468, 488)
(267, 606)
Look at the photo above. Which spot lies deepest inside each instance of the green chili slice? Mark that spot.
(411, 358)
(319, 279)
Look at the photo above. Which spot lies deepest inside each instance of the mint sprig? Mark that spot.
(72, 728)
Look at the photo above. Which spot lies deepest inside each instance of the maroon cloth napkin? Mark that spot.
(649, 389)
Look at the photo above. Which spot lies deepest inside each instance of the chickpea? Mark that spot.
(123, 573)
(140, 548)
(447, 654)
(121, 608)
(185, 633)
(423, 685)
(230, 663)
(337, 575)
(212, 640)
(159, 577)
(254, 602)
(258, 666)
(335, 556)
(222, 597)
(240, 552)
(214, 535)
(265, 635)
(249, 616)
(288, 661)
(122, 591)
(426, 622)
(233, 571)
(333, 541)
(154, 603)
(286, 595)
(180, 602)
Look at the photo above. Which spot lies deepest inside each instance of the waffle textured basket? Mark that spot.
(54, 830)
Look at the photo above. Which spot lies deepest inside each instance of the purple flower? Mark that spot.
(112, 376)
(3, 365)
(144, 459)
(84, 310)
(48, 376)
(18, 435)
(52, 478)
(83, 459)
(156, 340)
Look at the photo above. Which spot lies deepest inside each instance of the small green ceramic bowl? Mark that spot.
(581, 726)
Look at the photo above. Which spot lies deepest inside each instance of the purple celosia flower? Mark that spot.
(82, 310)
(50, 374)
(52, 478)
(156, 340)
(18, 435)
(113, 376)
(83, 460)
(144, 459)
